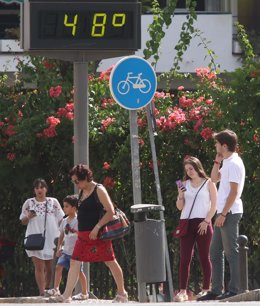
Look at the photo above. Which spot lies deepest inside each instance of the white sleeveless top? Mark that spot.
(202, 204)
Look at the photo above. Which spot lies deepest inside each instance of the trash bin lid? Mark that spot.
(146, 207)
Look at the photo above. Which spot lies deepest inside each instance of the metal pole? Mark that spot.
(136, 178)
(81, 133)
(243, 263)
(169, 292)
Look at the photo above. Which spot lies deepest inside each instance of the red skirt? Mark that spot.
(88, 250)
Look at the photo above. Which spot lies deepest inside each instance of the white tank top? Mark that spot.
(202, 204)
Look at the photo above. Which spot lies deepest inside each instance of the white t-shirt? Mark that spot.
(36, 224)
(202, 203)
(70, 230)
(232, 170)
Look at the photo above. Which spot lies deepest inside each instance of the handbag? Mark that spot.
(117, 228)
(182, 228)
(35, 242)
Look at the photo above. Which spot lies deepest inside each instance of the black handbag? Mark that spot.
(116, 228)
(35, 242)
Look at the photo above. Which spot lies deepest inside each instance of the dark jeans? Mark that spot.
(225, 241)
(187, 249)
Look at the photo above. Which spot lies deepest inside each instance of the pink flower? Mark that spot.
(141, 141)
(106, 166)
(61, 112)
(11, 156)
(206, 133)
(106, 123)
(50, 132)
(108, 182)
(69, 115)
(197, 125)
(55, 91)
(256, 138)
(180, 88)
(52, 121)
(10, 131)
(69, 106)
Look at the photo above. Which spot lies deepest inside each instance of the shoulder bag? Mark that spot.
(35, 242)
(116, 228)
(182, 228)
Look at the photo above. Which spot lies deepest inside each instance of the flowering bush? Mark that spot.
(36, 136)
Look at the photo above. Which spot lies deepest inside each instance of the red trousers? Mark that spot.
(187, 244)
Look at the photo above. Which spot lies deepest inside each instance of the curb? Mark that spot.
(253, 295)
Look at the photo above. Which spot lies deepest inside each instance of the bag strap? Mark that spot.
(45, 216)
(196, 197)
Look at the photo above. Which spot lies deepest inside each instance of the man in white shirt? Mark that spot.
(229, 212)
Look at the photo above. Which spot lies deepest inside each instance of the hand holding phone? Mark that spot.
(180, 185)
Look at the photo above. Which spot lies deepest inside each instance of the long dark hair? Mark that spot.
(196, 164)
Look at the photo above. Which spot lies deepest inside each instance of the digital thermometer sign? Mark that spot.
(77, 25)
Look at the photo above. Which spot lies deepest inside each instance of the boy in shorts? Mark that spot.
(66, 243)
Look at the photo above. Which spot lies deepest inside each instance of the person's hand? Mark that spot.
(203, 226)
(31, 214)
(58, 253)
(219, 157)
(94, 233)
(220, 220)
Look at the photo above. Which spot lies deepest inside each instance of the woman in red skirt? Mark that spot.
(93, 201)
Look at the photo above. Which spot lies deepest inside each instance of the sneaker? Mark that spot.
(52, 292)
(181, 297)
(119, 298)
(200, 294)
(80, 297)
(59, 299)
(210, 296)
(226, 295)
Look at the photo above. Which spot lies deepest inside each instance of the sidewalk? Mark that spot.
(251, 298)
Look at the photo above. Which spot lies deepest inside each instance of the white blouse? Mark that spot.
(202, 204)
(36, 224)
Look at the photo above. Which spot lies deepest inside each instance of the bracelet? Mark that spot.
(223, 215)
(206, 221)
(98, 226)
(216, 162)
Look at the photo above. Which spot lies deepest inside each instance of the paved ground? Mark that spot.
(251, 298)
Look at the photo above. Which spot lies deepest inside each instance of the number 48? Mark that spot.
(98, 24)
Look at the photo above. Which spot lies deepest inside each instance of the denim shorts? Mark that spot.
(64, 261)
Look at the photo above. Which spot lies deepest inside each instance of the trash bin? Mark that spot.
(149, 244)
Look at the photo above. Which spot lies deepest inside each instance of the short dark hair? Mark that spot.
(228, 138)
(82, 172)
(40, 182)
(72, 200)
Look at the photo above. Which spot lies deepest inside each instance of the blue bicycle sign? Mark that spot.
(143, 85)
(133, 82)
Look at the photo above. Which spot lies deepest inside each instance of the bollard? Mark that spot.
(243, 263)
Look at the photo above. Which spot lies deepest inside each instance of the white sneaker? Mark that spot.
(80, 297)
(52, 292)
(119, 298)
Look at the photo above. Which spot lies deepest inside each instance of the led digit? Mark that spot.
(99, 26)
(73, 25)
(118, 20)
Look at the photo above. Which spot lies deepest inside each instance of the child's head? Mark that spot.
(70, 204)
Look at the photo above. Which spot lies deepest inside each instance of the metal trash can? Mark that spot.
(149, 244)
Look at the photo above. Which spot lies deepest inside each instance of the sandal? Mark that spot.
(181, 297)
(80, 297)
(119, 298)
(59, 299)
(52, 292)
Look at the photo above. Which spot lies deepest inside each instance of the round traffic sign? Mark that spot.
(133, 82)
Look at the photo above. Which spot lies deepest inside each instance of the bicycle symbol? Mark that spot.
(143, 85)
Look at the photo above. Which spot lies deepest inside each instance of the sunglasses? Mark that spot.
(75, 181)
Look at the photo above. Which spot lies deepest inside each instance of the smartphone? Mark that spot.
(180, 185)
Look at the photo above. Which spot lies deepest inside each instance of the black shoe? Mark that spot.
(209, 296)
(226, 295)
